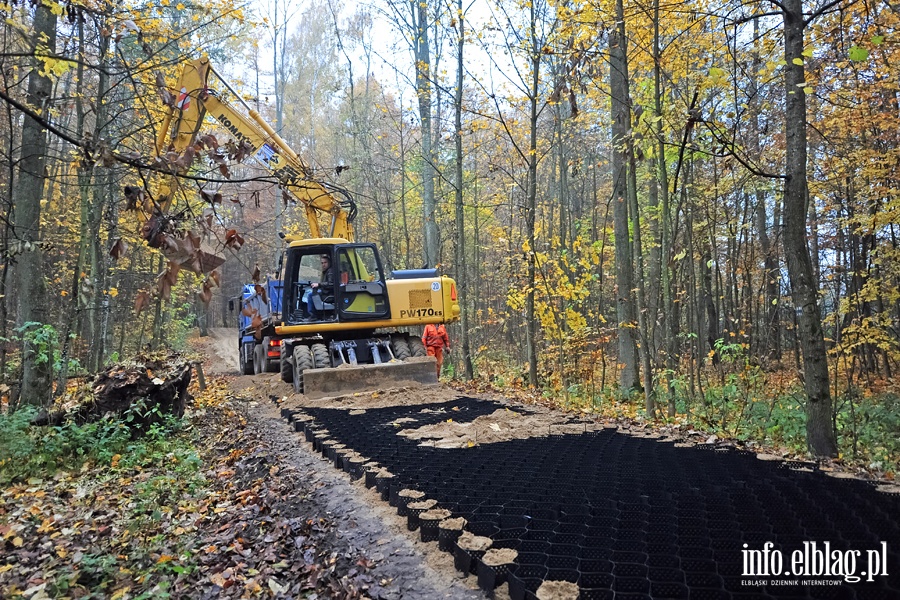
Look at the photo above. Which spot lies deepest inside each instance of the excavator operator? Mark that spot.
(324, 287)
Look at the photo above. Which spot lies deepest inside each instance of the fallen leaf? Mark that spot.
(276, 587)
(46, 525)
(120, 593)
(35, 590)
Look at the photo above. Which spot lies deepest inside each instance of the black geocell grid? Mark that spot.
(631, 518)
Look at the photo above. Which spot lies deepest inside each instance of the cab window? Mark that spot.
(362, 290)
(310, 268)
(358, 264)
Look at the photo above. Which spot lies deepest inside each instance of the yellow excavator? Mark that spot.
(333, 322)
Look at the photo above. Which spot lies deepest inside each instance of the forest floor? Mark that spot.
(264, 516)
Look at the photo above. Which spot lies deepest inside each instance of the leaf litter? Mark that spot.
(243, 527)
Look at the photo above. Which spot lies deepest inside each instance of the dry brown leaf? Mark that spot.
(141, 301)
(209, 141)
(261, 292)
(118, 249)
(233, 239)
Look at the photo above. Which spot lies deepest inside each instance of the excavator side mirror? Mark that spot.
(231, 305)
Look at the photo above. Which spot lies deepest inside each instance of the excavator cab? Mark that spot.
(334, 282)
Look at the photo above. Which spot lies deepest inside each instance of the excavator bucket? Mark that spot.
(347, 379)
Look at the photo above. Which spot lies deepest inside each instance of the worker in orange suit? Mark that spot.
(435, 340)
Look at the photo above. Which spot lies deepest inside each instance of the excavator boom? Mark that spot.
(195, 100)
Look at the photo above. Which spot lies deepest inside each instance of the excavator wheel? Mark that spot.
(399, 346)
(321, 357)
(416, 347)
(303, 360)
(259, 360)
(287, 369)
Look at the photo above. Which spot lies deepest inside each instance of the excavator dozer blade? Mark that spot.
(346, 379)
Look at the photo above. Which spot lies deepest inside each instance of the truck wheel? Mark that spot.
(321, 357)
(303, 360)
(399, 346)
(416, 347)
(287, 369)
(243, 352)
(259, 360)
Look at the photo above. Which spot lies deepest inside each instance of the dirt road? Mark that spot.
(221, 348)
(405, 567)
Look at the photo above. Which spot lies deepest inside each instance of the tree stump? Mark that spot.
(147, 389)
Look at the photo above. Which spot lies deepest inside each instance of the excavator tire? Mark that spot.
(287, 369)
(303, 361)
(399, 346)
(321, 357)
(416, 347)
(259, 360)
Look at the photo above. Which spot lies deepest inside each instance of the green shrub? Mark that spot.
(28, 451)
(867, 429)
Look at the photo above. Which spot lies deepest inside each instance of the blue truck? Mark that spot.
(259, 347)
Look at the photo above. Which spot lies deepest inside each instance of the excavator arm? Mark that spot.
(181, 126)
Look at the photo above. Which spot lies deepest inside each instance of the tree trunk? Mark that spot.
(422, 56)
(31, 289)
(642, 308)
(72, 322)
(669, 314)
(460, 262)
(709, 305)
(531, 200)
(99, 313)
(819, 429)
(625, 312)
